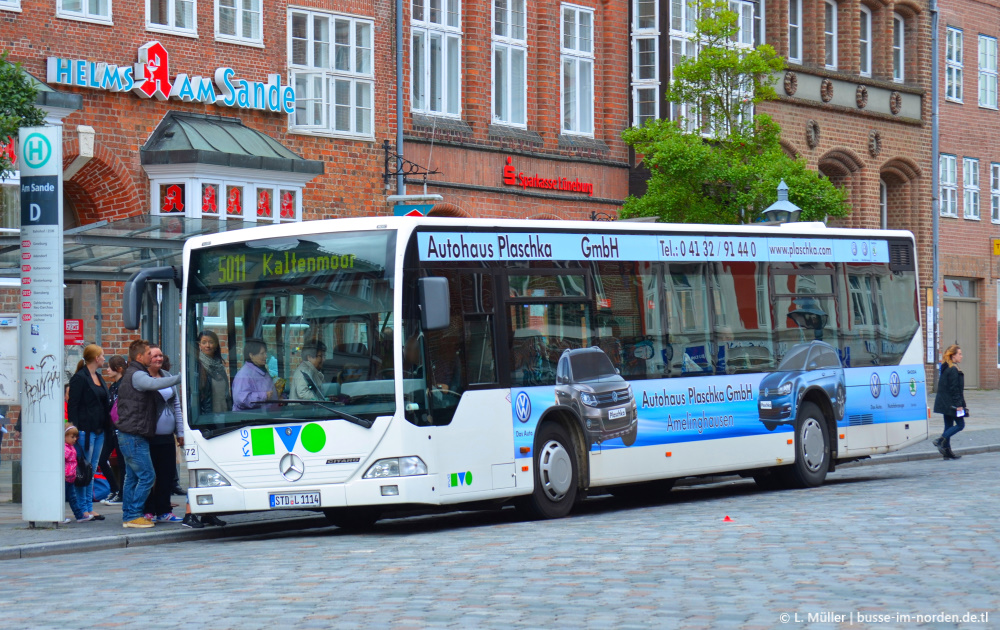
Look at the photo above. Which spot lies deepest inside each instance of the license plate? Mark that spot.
(765, 404)
(295, 500)
(614, 414)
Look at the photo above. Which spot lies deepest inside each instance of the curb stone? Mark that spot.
(99, 543)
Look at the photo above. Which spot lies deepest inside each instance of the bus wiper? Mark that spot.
(361, 422)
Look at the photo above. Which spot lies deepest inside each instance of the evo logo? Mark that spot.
(460, 479)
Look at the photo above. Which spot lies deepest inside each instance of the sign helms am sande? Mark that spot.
(150, 78)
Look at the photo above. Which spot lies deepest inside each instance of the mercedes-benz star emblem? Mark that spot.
(291, 467)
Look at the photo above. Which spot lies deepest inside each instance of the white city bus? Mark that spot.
(461, 362)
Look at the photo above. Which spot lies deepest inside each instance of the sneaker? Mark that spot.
(113, 499)
(190, 520)
(139, 523)
(211, 519)
(85, 519)
(149, 517)
(169, 517)
(67, 521)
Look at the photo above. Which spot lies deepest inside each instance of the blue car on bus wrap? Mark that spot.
(813, 365)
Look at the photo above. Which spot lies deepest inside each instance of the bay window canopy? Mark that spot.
(202, 166)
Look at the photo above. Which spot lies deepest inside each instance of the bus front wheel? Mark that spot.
(812, 448)
(556, 474)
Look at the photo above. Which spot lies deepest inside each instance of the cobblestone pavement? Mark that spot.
(913, 538)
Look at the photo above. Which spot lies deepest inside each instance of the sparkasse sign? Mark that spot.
(150, 78)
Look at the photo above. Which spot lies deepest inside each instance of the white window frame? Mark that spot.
(865, 41)
(995, 192)
(883, 204)
(898, 48)
(970, 188)
(10, 5)
(450, 35)
(651, 83)
(509, 44)
(193, 190)
(682, 44)
(988, 71)
(744, 9)
(241, 38)
(579, 58)
(830, 34)
(171, 28)
(954, 49)
(330, 76)
(795, 31)
(948, 165)
(84, 14)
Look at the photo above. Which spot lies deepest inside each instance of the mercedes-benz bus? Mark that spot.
(460, 362)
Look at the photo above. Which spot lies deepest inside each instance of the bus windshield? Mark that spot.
(291, 329)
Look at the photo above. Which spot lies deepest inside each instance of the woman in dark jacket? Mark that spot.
(89, 410)
(950, 400)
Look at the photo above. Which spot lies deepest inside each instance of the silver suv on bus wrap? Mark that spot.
(587, 381)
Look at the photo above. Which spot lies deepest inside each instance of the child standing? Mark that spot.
(72, 435)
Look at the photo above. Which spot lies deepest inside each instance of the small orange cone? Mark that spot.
(727, 519)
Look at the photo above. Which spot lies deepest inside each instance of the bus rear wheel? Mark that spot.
(556, 474)
(812, 449)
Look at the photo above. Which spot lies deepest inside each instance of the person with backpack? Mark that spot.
(88, 409)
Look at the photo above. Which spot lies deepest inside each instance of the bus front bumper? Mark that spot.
(388, 491)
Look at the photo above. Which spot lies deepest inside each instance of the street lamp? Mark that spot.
(782, 210)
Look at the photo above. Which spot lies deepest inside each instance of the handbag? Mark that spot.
(84, 471)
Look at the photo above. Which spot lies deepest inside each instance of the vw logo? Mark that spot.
(522, 407)
(864, 248)
(614, 396)
(875, 384)
(854, 248)
(291, 467)
(894, 384)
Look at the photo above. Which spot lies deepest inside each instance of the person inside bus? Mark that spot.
(253, 386)
(213, 382)
(307, 381)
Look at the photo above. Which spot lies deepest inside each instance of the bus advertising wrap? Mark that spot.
(713, 407)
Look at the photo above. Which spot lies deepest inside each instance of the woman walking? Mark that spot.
(950, 400)
(88, 409)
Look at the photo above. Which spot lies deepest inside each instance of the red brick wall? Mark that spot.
(968, 130)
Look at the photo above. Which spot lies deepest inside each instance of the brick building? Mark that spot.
(854, 101)
(970, 185)
(187, 116)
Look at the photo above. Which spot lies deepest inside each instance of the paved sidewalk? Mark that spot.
(18, 540)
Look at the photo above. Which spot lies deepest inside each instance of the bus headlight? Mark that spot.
(397, 467)
(208, 478)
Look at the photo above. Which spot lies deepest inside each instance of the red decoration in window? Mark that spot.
(234, 201)
(263, 203)
(287, 204)
(209, 204)
(173, 200)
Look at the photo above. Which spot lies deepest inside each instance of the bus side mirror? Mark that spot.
(435, 304)
(135, 287)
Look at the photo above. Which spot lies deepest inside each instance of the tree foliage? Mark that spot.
(17, 105)
(717, 163)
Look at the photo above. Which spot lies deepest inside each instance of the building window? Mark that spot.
(436, 57)
(953, 65)
(795, 31)
(898, 48)
(883, 204)
(88, 10)
(970, 181)
(830, 33)
(682, 16)
(260, 201)
(745, 10)
(987, 71)
(10, 5)
(510, 58)
(865, 41)
(238, 21)
(171, 16)
(995, 192)
(577, 62)
(645, 61)
(949, 186)
(331, 66)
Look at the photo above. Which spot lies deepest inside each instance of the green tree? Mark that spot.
(718, 162)
(17, 105)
